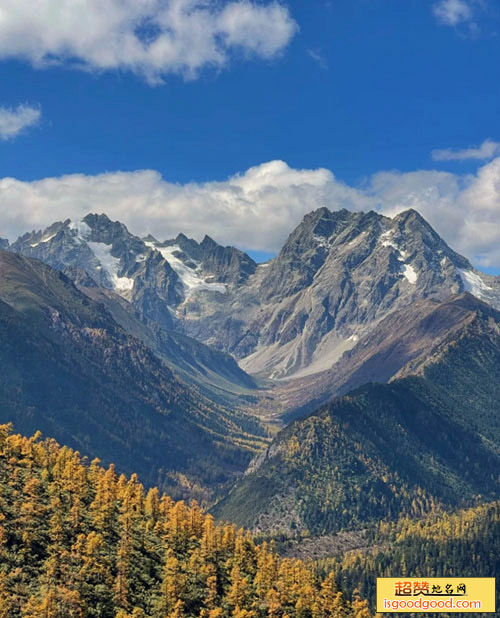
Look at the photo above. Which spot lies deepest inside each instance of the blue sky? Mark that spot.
(356, 87)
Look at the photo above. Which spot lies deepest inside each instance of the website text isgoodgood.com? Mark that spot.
(431, 604)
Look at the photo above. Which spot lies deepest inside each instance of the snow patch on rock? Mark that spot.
(43, 240)
(385, 239)
(321, 241)
(111, 265)
(81, 230)
(410, 273)
(474, 284)
(190, 278)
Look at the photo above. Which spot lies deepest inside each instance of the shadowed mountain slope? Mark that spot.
(70, 370)
(215, 373)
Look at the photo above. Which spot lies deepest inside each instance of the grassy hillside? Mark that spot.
(79, 541)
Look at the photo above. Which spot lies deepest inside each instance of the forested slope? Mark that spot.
(462, 544)
(429, 439)
(79, 541)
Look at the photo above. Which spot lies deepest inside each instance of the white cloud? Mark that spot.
(487, 150)
(453, 12)
(318, 57)
(255, 210)
(15, 120)
(259, 208)
(152, 38)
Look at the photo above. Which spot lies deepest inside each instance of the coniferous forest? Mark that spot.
(79, 541)
(464, 543)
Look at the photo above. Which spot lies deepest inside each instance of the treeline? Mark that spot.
(461, 544)
(79, 541)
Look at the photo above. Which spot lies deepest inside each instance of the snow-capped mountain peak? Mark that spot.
(190, 273)
(157, 277)
(338, 274)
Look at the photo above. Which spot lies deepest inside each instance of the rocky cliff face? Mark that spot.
(337, 276)
(112, 257)
(221, 264)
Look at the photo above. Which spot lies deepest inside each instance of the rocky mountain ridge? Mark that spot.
(143, 289)
(336, 278)
(338, 275)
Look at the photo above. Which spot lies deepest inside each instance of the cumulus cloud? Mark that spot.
(453, 12)
(487, 150)
(256, 210)
(152, 38)
(15, 120)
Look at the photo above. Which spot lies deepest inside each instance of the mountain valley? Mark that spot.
(363, 326)
(71, 371)
(429, 439)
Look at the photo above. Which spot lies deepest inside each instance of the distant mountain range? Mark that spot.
(158, 278)
(371, 327)
(338, 275)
